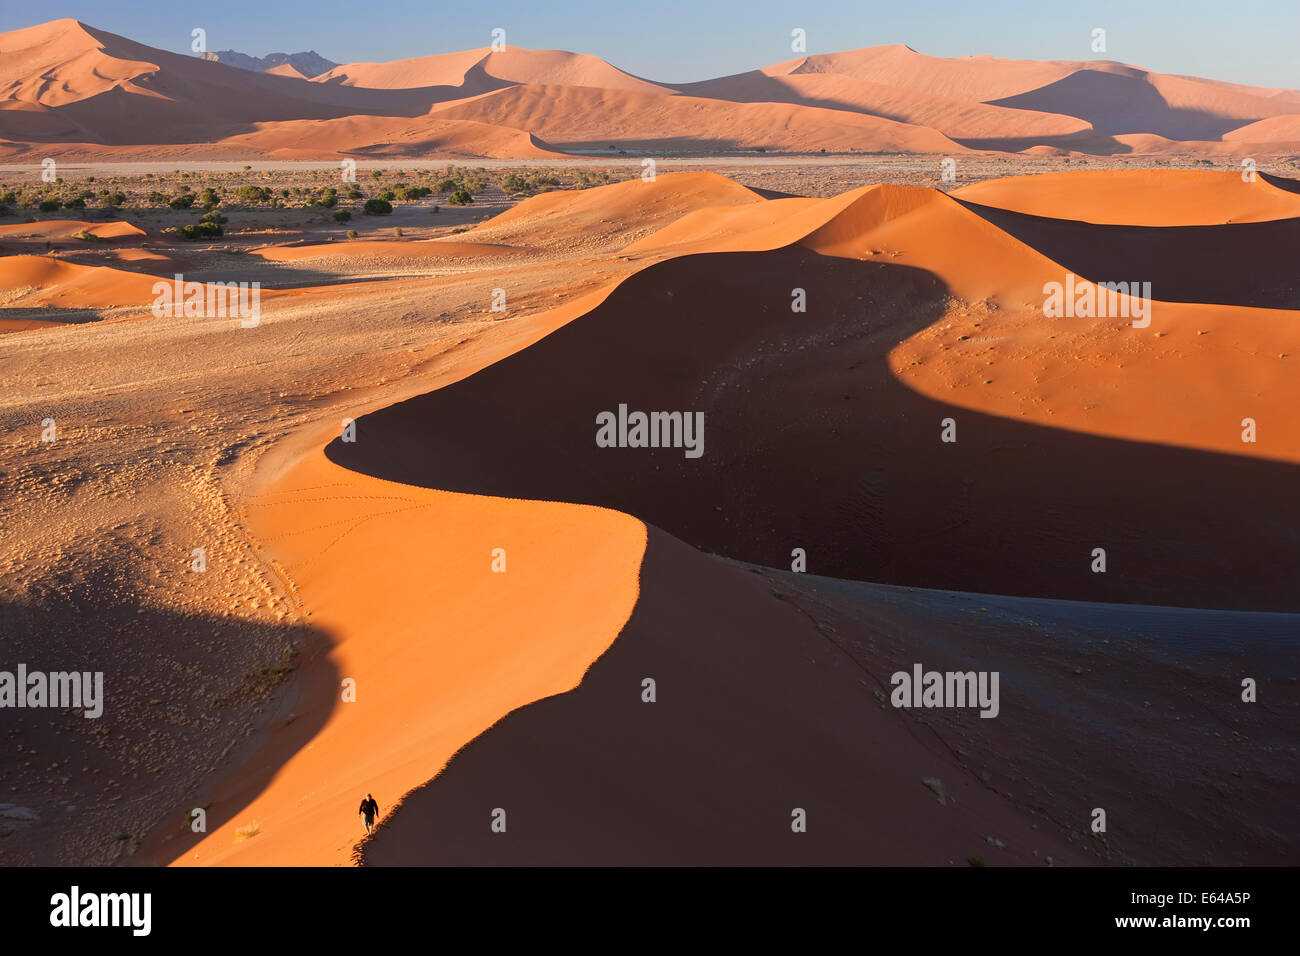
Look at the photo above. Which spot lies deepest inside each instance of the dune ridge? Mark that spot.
(866, 375)
(72, 89)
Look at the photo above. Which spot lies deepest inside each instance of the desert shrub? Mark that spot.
(213, 216)
(158, 199)
(183, 201)
(513, 183)
(252, 194)
(352, 233)
(200, 230)
(76, 203)
(342, 216)
(5, 210)
(409, 193)
(377, 207)
(10, 198)
(209, 198)
(355, 193)
(115, 199)
(460, 197)
(329, 198)
(397, 231)
(376, 174)
(387, 195)
(444, 185)
(50, 205)
(86, 236)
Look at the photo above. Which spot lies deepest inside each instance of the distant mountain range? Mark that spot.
(306, 64)
(71, 89)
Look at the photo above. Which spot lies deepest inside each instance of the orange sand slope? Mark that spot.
(1139, 197)
(919, 309)
(72, 89)
(42, 282)
(68, 228)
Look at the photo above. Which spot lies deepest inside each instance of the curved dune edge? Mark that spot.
(439, 646)
(1146, 197)
(582, 557)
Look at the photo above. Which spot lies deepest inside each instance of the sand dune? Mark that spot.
(286, 69)
(583, 118)
(1139, 197)
(88, 91)
(617, 212)
(823, 433)
(1134, 101)
(1030, 496)
(41, 282)
(482, 70)
(383, 136)
(67, 228)
(726, 644)
(980, 78)
(955, 118)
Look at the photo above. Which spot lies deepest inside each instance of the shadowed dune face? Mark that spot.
(1244, 264)
(768, 696)
(757, 712)
(175, 714)
(810, 441)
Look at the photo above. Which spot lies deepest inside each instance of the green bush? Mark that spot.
(386, 195)
(209, 198)
(200, 230)
(377, 207)
(409, 193)
(342, 216)
(184, 201)
(252, 194)
(158, 199)
(445, 185)
(50, 205)
(460, 197)
(352, 233)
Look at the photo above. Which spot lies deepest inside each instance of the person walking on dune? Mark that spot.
(369, 810)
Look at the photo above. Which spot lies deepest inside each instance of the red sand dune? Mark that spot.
(1074, 433)
(566, 218)
(955, 118)
(74, 90)
(43, 282)
(584, 118)
(287, 69)
(1138, 197)
(68, 228)
(478, 69)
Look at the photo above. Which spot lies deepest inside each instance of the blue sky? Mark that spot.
(681, 40)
